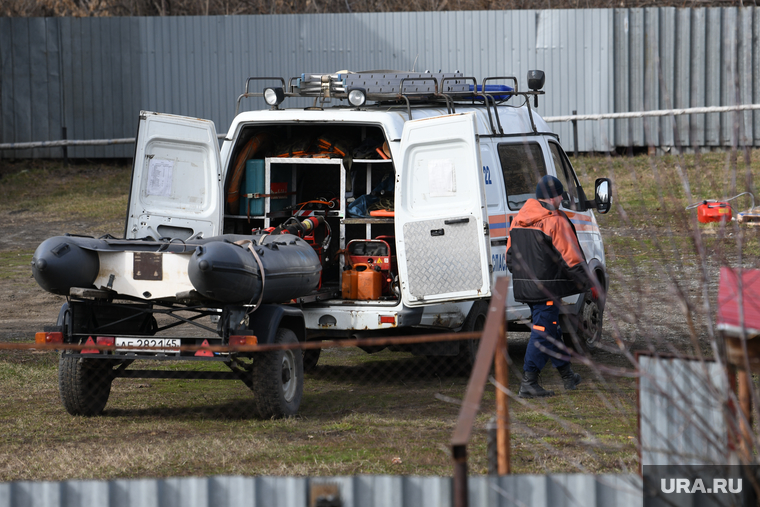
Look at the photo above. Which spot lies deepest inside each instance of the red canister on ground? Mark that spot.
(715, 211)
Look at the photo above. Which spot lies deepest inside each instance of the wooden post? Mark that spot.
(745, 416)
(502, 402)
(459, 453)
(494, 326)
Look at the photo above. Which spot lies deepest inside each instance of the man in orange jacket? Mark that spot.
(547, 264)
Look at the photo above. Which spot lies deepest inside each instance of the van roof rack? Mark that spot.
(386, 86)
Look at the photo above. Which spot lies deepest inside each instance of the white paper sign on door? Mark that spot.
(160, 177)
(442, 178)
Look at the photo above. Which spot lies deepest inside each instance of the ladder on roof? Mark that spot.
(388, 86)
(397, 85)
(381, 83)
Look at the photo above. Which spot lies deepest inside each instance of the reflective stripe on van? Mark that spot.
(497, 225)
(583, 222)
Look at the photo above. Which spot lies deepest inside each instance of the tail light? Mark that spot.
(44, 337)
(107, 341)
(239, 340)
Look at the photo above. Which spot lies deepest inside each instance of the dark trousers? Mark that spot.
(545, 324)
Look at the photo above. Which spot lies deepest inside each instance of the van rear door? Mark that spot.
(176, 179)
(440, 212)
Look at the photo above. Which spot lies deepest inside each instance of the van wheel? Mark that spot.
(278, 378)
(475, 321)
(586, 328)
(310, 359)
(84, 384)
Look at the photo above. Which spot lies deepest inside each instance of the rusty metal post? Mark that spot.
(459, 453)
(475, 387)
(502, 401)
(745, 415)
(65, 149)
(575, 136)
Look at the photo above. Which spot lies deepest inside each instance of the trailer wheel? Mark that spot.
(278, 378)
(84, 385)
(586, 327)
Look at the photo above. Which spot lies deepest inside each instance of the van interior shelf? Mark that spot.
(369, 220)
(372, 161)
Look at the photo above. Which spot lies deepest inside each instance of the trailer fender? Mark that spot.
(268, 318)
(62, 314)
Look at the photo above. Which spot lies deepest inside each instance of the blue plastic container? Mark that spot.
(253, 183)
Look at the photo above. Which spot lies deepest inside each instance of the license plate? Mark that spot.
(148, 344)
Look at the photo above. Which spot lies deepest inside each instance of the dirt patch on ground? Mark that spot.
(24, 307)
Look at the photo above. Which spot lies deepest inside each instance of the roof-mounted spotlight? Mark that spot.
(536, 80)
(357, 97)
(274, 96)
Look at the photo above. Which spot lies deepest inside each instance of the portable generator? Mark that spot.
(368, 272)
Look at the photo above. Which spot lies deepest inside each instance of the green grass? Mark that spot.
(648, 219)
(654, 187)
(14, 264)
(92, 191)
(359, 425)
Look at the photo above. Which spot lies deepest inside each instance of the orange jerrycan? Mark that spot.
(349, 285)
(370, 281)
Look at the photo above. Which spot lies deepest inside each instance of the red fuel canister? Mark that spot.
(713, 212)
(363, 282)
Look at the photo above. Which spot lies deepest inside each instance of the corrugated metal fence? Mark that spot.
(559, 490)
(682, 412)
(677, 58)
(93, 75)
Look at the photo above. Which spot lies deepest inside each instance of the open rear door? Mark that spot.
(176, 179)
(440, 212)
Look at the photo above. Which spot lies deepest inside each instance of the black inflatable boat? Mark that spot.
(259, 268)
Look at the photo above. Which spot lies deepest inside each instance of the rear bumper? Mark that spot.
(356, 317)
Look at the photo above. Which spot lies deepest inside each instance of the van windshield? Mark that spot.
(523, 165)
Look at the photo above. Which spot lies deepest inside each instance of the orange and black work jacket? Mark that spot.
(544, 255)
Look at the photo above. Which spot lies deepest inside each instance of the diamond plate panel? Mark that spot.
(442, 263)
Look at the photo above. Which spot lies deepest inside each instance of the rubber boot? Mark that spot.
(569, 377)
(529, 387)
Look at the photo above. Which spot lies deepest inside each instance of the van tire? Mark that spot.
(310, 359)
(585, 330)
(84, 385)
(278, 378)
(475, 321)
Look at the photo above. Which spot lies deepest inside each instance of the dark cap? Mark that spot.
(549, 187)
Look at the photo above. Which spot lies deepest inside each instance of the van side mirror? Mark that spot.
(603, 195)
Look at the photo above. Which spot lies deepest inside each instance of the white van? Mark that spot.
(385, 215)
(449, 167)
